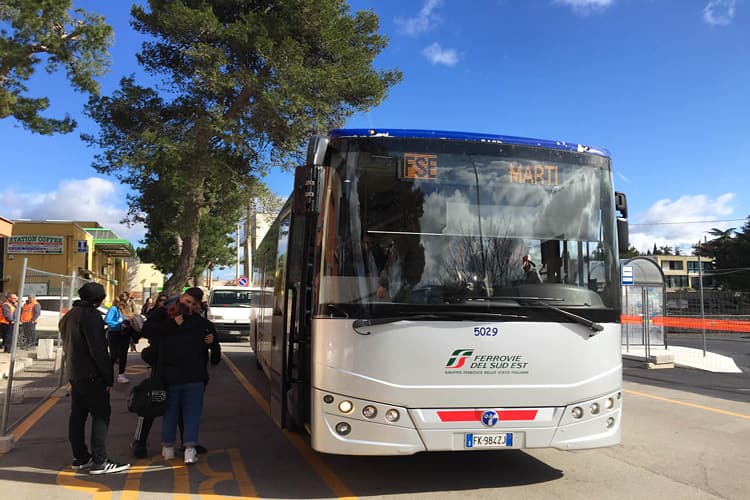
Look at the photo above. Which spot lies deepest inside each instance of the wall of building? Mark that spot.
(77, 256)
(144, 280)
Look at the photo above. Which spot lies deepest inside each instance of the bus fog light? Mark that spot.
(610, 422)
(346, 406)
(609, 404)
(594, 408)
(328, 399)
(343, 428)
(369, 411)
(577, 412)
(392, 415)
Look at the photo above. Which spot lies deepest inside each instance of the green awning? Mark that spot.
(109, 243)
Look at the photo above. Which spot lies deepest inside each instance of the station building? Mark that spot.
(82, 249)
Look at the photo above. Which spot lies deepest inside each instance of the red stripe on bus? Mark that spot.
(474, 415)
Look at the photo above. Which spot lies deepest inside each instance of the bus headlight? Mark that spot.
(609, 404)
(346, 406)
(328, 399)
(369, 411)
(594, 408)
(577, 412)
(392, 415)
(610, 422)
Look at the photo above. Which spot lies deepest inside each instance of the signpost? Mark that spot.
(627, 275)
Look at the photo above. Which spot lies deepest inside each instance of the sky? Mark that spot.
(662, 84)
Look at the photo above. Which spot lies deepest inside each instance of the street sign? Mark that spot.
(243, 281)
(627, 275)
(83, 246)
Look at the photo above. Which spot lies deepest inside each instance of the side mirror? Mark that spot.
(623, 235)
(623, 232)
(316, 150)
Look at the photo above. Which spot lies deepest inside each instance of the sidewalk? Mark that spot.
(685, 357)
(23, 360)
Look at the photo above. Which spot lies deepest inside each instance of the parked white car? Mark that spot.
(232, 309)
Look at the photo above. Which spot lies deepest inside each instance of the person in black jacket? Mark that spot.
(180, 343)
(151, 331)
(91, 376)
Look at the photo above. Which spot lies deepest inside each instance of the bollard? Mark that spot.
(45, 349)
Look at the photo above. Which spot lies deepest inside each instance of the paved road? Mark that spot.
(678, 443)
(732, 386)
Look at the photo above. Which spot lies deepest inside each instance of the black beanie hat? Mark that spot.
(92, 292)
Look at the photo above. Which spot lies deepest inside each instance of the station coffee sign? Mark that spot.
(36, 244)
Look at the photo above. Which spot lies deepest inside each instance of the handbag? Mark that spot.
(149, 397)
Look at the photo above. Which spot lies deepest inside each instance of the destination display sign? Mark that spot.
(420, 166)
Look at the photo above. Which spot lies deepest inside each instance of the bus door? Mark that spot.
(290, 381)
(279, 324)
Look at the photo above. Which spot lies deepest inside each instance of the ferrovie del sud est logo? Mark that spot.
(459, 357)
(467, 362)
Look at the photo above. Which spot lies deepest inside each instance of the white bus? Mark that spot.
(439, 291)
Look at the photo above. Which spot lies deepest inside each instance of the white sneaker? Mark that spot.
(191, 455)
(167, 452)
(122, 379)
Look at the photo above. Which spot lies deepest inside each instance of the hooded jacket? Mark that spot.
(85, 344)
(181, 348)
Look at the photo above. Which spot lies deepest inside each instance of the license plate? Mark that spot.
(493, 440)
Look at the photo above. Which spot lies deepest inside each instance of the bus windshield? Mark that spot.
(415, 222)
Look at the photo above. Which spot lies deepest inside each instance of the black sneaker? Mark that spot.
(108, 467)
(139, 449)
(80, 464)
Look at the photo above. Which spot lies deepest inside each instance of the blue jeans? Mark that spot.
(188, 400)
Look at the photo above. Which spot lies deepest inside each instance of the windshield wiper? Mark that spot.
(595, 327)
(452, 315)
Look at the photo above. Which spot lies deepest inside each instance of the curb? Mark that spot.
(20, 365)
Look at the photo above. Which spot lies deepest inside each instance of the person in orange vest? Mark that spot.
(30, 313)
(6, 320)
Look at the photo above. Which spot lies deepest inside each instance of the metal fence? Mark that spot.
(715, 303)
(34, 366)
(653, 319)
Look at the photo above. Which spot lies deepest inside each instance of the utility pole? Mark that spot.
(249, 249)
(703, 315)
(237, 273)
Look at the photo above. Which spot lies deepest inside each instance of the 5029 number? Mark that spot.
(486, 331)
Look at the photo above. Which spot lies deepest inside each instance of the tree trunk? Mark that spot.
(189, 229)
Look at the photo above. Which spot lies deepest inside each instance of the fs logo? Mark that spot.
(489, 418)
(459, 357)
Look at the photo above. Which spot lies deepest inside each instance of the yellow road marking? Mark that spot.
(247, 488)
(181, 480)
(334, 483)
(29, 421)
(133, 480)
(690, 405)
(68, 480)
(250, 388)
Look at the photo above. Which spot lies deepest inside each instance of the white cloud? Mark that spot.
(664, 222)
(438, 55)
(423, 21)
(585, 6)
(719, 12)
(93, 199)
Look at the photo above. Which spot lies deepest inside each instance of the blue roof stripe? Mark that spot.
(466, 136)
